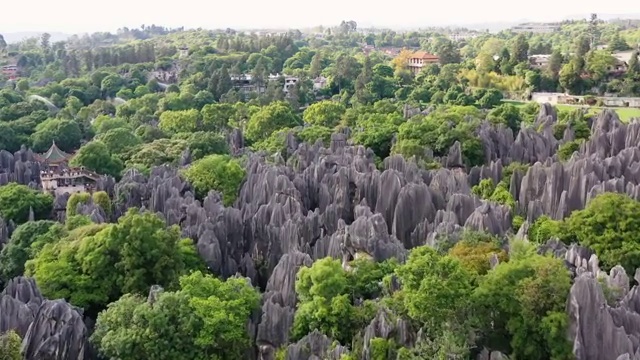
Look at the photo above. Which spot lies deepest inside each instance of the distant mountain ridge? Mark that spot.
(14, 37)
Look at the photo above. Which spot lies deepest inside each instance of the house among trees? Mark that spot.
(183, 52)
(11, 71)
(420, 59)
(58, 178)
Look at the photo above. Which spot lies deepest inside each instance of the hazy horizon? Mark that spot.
(74, 16)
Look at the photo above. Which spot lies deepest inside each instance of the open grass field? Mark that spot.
(625, 114)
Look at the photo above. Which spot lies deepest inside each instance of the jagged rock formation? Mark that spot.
(311, 202)
(315, 346)
(20, 167)
(49, 329)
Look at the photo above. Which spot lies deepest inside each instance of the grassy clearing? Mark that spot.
(625, 114)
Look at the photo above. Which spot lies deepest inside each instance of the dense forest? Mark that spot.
(217, 194)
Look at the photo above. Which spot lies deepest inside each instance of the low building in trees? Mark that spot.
(12, 72)
(58, 178)
(420, 59)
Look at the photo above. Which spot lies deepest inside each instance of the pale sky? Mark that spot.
(74, 16)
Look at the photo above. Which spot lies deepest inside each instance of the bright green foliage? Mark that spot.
(16, 200)
(325, 113)
(77, 221)
(381, 349)
(66, 134)
(101, 198)
(74, 200)
(567, 149)
(10, 343)
(205, 319)
(507, 115)
(216, 172)
(491, 99)
(203, 143)
(173, 122)
(273, 117)
(275, 143)
(366, 276)
(543, 229)
(119, 140)
(102, 124)
(158, 152)
(215, 117)
(484, 189)
(311, 134)
(435, 289)
(97, 264)
(520, 308)
(499, 194)
(439, 130)
(325, 304)
(95, 156)
(610, 226)
(18, 250)
(376, 131)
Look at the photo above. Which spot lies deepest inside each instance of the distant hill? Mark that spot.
(14, 37)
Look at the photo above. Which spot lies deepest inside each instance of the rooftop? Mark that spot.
(54, 155)
(424, 55)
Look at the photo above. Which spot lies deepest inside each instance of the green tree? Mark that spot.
(173, 122)
(215, 117)
(206, 317)
(216, 172)
(66, 134)
(519, 307)
(16, 201)
(447, 52)
(324, 113)
(609, 226)
(119, 140)
(17, 251)
(311, 134)
(520, 49)
(97, 264)
(617, 43)
(273, 117)
(555, 64)
(435, 289)
(490, 99)
(201, 143)
(324, 301)
(104, 123)
(508, 115)
(101, 198)
(376, 131)
(95, 156)
(598, 64)
(570, 78)
(157, 152)
(10, 343)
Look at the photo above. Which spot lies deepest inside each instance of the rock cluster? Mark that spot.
(50, 330)
(337, 202)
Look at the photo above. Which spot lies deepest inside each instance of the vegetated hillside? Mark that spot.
(344, 209)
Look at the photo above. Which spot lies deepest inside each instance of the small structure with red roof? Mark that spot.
(58, 178)
(420, 59)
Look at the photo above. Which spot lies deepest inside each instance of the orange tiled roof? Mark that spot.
(424, 55)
